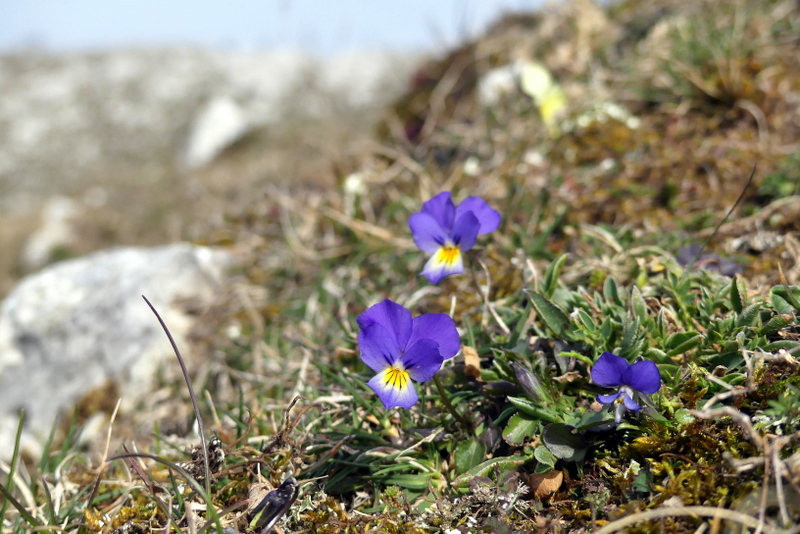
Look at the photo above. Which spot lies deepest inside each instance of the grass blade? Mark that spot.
(200, 427)
(14, 461)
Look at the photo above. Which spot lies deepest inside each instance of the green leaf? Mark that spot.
(411, 481)
(544, 456)
(748, 315)
(551, 275)
(638, 305)
(552, 316)
(593, 419)
(781, 344)
(519, 332)
(682, 342)
(564, 442)
(545, 460)
(520, 427)
(563, 298)
(790, 294)
(535, 410)
(611, 291)
(661, 328)
(606, 331)
(630, 339)
(495, 466)
(657, 355)
(567, 354)
(469, 454)
(780, 304)
(335, 481)
(403, 466)
(737, 299)
(586, 320)
(778, 322)
(542, 469)
(734, 379)
(529, 382)
(8, 492)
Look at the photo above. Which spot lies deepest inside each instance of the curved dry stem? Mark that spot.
(686, 511)
(200, 428)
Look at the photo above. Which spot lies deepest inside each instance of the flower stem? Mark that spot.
(449, 406)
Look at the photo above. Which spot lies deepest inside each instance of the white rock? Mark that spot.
(221, 123)
(73, 326)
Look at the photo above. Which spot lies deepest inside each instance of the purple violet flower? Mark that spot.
(631, 381)
(401, 349)
(445, 231)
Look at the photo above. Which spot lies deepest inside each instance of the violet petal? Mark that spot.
(442, 209)
(608, 399)
(465, 231)
(440, 328)
(428, 234)
(393, 317)
(422, 360)
(642, 376)
(378, 348)
(488, 217)
(607, 370)
(630, 404)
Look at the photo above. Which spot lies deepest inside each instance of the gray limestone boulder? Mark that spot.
(76, 325)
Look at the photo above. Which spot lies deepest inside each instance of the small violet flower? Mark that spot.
(445, 231)
(401, 349)
(631, 381)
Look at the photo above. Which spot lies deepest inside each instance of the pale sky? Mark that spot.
(316, 26)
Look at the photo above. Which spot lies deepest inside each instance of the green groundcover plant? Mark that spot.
(564, 405)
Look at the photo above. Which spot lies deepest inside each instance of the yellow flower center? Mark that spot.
(449, 255)
(396, 377)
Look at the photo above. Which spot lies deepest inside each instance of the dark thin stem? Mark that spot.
(449, 406)
(201, 429)
(690, 267)
(139, 471)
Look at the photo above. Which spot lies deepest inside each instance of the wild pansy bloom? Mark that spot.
(631, 381)
(401, 349)
(446, 231)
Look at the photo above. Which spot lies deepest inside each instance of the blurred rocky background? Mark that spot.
(112, 147)
(113, 158)
(146, 147)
